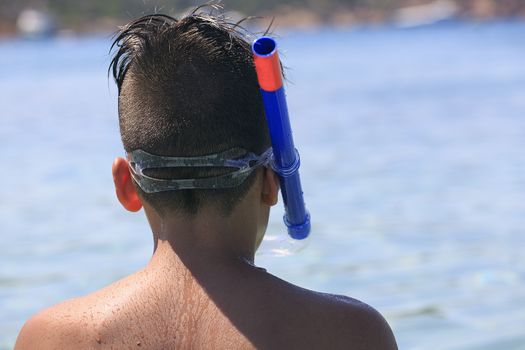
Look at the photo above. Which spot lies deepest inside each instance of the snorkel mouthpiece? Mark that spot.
(286, 160)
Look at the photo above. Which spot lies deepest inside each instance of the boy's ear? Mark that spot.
(270, 190)
(124, 187)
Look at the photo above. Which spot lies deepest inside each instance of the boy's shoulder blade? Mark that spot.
(337, 322)
(360, 325)
(58, 327)
(78, 323)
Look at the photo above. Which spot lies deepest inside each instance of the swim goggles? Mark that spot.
(236, 158)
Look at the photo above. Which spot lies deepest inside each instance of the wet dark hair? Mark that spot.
(188, 87)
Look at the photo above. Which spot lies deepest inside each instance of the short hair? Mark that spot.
(188, 87)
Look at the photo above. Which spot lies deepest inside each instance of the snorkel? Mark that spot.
(285, 160)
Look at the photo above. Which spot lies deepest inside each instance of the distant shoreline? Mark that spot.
(288, 17)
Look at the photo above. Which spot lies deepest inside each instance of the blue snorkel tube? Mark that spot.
(286, 160)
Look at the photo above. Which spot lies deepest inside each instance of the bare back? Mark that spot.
(163, 309)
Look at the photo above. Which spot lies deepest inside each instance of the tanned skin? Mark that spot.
(200, 290)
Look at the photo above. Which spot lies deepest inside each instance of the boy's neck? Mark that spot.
(204, 240)
(202, 264)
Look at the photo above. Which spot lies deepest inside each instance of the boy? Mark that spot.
(192, 124)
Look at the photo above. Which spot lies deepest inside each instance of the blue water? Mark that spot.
(413, 151)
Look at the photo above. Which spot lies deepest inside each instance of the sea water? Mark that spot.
(413, 167)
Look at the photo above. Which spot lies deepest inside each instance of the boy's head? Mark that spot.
(188, 87)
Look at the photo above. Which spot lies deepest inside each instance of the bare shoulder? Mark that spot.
(359, 324)
(63, 326)
(75, 323)
(335, 321)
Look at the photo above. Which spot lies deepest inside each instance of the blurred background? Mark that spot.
(409, 116)
(101, 16)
